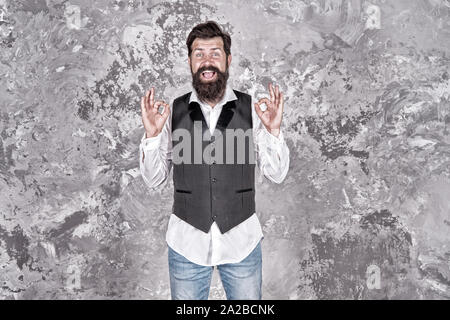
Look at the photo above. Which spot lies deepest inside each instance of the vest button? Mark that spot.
(214, 179)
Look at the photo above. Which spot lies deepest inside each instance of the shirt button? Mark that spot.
(214, 179)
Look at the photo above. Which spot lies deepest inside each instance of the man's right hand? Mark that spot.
(153, 120)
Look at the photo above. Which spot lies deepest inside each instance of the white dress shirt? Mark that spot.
(213, 248)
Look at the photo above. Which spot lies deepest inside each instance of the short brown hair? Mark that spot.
(207, 30)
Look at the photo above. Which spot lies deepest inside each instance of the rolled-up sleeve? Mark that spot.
(272, 153)
(155, 156)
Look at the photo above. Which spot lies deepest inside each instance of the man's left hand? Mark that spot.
(272, 115)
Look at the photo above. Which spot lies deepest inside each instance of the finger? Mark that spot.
(281, 102)
(266, 101)
(143, 108)
(166, 111)
(272, 94)
(152, 97)
(146, 97)
(277, 96)
(263, 100)
(157, 104)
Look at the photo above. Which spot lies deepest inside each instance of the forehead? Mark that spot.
(210, 43)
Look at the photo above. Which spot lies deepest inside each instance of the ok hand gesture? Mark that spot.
(152, 119)
(272, 115)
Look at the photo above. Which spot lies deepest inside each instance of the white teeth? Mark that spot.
(208, 74)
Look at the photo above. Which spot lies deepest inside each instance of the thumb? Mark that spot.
(258, 110)
(166, 111)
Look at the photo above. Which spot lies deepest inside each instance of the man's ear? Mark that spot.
(229, 59)
(189, 60)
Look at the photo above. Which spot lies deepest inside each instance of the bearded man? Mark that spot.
(213, 221)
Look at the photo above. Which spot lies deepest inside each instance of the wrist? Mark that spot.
(151, 134)
(274, 132)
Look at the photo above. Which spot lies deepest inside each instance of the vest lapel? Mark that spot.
(196, 114)
(225, 116)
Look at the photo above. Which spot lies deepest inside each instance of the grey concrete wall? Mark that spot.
(364, 212)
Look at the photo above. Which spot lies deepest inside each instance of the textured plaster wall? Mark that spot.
(364, 212)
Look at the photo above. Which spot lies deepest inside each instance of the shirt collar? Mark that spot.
(228, 96)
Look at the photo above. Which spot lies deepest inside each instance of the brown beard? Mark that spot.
(210, 91)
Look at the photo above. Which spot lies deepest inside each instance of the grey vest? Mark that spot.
(209, 186)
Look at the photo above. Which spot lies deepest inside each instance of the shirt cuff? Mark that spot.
(273, 141)
(151, 143)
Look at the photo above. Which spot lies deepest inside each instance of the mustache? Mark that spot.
(203, 69)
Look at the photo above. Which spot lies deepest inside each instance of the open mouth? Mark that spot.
(208, 75)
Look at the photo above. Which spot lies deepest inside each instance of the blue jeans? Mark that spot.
(241, 281)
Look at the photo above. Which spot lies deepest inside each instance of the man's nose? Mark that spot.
(208, 60)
